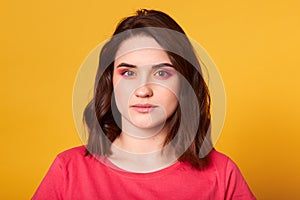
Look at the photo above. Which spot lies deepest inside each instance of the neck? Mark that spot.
(142, 154)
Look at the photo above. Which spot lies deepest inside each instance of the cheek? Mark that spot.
(118, 92)
(123, 92)
(172, 101)
(170, 91)
(173, 85)
(169, 100)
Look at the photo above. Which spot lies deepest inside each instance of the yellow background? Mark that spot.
(255, 45)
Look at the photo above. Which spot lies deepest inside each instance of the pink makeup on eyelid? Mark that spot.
(169, 73)
(121, 71)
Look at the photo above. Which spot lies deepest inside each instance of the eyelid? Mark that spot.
(167, 73)
(163, 67)
(123, 70)
(166, 69)
(127, 71)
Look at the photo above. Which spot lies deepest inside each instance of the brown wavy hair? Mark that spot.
(190, 127)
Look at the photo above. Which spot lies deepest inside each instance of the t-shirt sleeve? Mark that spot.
(52, 186)
(236, 186)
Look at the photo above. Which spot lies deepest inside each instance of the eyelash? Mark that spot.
(166, 74)
(123, 73)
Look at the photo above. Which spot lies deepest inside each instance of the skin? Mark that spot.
(145, 88)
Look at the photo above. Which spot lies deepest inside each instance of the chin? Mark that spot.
(149, 125)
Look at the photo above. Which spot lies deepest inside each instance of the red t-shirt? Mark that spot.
(76, 176)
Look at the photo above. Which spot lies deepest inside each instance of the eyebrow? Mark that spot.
(153, 67)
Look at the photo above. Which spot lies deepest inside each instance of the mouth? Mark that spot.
(143, 108)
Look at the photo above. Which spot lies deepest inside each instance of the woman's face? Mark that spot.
(145, 83)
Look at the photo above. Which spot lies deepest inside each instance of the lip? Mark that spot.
(143, 108)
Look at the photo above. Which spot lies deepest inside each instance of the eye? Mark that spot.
(128, 73)
(162, 73)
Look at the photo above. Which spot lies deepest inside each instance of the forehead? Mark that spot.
(141, 50)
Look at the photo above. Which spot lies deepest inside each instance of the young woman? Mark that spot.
(148, 124)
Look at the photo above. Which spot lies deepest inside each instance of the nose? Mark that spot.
(144, 91)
